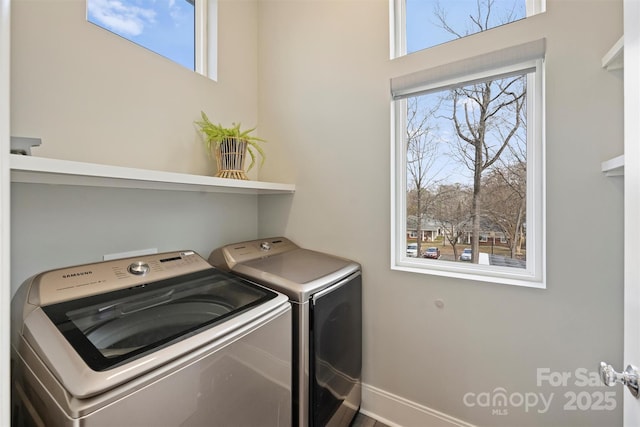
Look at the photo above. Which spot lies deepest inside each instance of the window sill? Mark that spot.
(469, 272)
(40, 170)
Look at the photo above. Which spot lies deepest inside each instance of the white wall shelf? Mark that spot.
(614, 58)
(40, 170)
(611, 61)
(614, 167)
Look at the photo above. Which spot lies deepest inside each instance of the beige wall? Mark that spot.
(324, 97)
(93, 96)
(315, 76)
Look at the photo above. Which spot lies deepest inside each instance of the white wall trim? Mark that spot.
(5, 287)
(631, 406)
(396, 411)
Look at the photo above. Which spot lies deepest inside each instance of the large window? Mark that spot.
(175, 29)
(468, 168)
(421, 24)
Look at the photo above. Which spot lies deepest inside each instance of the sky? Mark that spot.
(424, 29)
(163, 26)
(167, 26)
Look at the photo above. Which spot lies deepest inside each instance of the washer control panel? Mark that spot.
(90, 279)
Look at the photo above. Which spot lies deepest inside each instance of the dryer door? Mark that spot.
(336, 352)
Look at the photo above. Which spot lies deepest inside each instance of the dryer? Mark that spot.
(159, 340)
(326, 296)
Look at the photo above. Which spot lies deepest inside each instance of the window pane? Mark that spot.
(466, 173)
(433, 22)
(166, 27)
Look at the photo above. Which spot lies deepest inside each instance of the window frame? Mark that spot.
(205, 37)
(398, 25)
(534, 275)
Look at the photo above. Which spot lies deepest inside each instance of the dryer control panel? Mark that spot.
(228, 256)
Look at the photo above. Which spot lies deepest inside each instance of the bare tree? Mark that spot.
(505, 202)
(485, 106)
(452, 212)
(486, 116)
(422, 153)
(482, 18)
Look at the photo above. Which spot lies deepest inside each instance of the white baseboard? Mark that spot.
(396, 411)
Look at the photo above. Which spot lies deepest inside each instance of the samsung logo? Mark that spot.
(80, 273)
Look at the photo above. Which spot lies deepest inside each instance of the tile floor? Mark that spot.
(362, 420)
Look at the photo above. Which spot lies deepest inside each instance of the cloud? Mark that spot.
(121, 17)
(177, 13)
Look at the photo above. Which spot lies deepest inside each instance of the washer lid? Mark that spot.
(96, 343)
(111, 329)
(298, 273)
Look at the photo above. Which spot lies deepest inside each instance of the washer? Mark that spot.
(159, 340)
(326, 295)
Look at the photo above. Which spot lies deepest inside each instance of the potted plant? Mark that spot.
(230, 146)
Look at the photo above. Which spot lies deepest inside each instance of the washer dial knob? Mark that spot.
(265, 246)
(138, 268)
